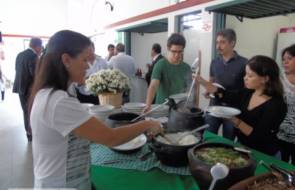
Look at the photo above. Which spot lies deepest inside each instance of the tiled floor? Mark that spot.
(16, 167)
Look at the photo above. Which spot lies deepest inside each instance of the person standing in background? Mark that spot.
(156, 56)
(286, 134)
(122, 61)
(170, 75)
(24, 76)
(2, 84)
(95, 63)
(227, 70)
(111, 50)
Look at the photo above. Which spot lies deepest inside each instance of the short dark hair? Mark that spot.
(35, 42)
(290, 49)
(176, 39)
(120, 47)
(228, 34)
(111, 46)
(266, 67)
(156, 48)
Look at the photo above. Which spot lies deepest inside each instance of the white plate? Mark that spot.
(217, 85)
(135, 143)
(134, 105)
(101, 108)
(223, 111)
(87, 105)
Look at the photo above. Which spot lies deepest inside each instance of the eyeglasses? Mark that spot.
(176, 51)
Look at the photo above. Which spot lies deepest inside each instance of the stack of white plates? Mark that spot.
(101, 111)
(133, 107)
(162, 111)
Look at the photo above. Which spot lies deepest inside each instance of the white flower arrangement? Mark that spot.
(108, 80)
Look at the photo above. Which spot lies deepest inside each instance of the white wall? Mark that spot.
(32, 17)
(141, 46)
(259, 36)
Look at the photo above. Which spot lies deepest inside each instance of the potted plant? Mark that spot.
(109, 85)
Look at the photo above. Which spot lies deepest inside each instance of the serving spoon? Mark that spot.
(146, 113)
(218, 171)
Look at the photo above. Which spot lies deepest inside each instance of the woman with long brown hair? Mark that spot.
(61, 126)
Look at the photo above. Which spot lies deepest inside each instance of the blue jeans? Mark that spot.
(228, 127)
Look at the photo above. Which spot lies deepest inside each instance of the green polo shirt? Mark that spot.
(173, 79)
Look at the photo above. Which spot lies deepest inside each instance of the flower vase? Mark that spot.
(114, 99)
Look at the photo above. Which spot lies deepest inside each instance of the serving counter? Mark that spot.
(109, 178)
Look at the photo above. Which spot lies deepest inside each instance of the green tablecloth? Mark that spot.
(107, 178)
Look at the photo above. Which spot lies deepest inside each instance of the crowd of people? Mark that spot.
(51, 88)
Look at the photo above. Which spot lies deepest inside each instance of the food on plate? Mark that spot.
(270, 183)
(227, 156)
(188, 139)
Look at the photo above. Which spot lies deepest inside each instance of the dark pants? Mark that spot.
(228, 130)
(2, 95)
(24, 103)
(287, 151)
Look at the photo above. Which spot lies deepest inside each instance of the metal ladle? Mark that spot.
(218, 171)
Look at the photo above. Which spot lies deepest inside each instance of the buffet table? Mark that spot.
(110, 178)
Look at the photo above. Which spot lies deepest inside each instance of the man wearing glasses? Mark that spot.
(170, 75)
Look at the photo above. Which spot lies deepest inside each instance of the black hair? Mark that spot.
(156, 48)
(290, 49)
(266, 67)
(228, 34)
(176, 39)
(111, 46)
(35, 42)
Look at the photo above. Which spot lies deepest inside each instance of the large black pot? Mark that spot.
(119, 119)
(172, 155)
(201, 170)
(183, 118)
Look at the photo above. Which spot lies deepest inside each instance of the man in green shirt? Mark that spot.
(170, 75)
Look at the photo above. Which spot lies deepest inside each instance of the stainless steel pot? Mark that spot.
(182, 118)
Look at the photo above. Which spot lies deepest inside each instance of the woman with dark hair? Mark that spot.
(261, 104)
(61, 127)
(286, 134)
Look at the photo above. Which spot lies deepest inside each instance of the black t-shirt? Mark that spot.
(265, 119)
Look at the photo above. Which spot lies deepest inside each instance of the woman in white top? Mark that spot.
(286, 134)
(61, 127)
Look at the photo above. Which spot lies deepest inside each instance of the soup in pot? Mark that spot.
(227, 156)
